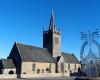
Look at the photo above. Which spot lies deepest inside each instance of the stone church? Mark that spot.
(29, 59)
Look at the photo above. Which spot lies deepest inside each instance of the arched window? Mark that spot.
(11, 72)
(65, 71)
(75, 66)
(33, 67)
(38, 71)
(57, 40)
(68, 66)
(62, 67)
(42, 71)
(47, 69)
(24, 73)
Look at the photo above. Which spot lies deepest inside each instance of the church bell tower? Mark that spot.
(52, 38)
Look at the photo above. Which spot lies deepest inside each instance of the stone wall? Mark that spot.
(74, 67)
(6, 71)
(66, 67)
(6, 76)
(27, 68)
(56, 44)
(44, 75)
(49, 75)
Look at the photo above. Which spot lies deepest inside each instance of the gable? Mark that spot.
(15, 55)
(69, 58)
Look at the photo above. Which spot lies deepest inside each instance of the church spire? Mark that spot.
(52, 23)
(51, 38)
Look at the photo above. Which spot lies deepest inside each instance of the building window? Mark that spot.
(42, 71)
(24, 73)
(57, 40)
(62, 67)
(65, 71)
(33, 67)
(38, 71)
(47, 69)
(75, 66)
(69, 66)
(11, 72)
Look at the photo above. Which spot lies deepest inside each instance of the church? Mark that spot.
(29, 59)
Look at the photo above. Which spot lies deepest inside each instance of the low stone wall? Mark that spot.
(48, 75)
(4, 76)
(43, 75)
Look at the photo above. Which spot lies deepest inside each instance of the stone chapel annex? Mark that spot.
(29, 59)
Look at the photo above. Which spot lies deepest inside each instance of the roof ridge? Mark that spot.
(67, 53)
(31, 45)
(18, 49)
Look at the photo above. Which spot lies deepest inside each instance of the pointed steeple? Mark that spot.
(52, 38)
(52, 23)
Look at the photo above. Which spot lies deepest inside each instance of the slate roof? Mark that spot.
(34, 54)
(7, 63)
(70, 58)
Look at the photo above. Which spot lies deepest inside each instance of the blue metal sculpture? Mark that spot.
(89, 61)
